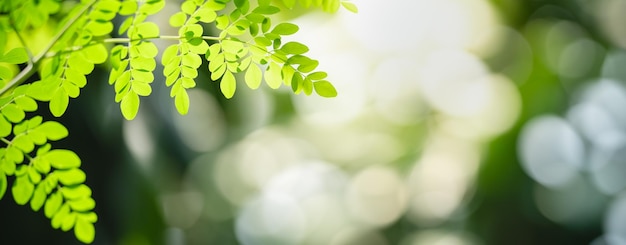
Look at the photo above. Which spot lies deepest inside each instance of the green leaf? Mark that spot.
(22, 189)
(26, 103)
(192, 60)
(266, 10)
(317, 75)
(331, 6)
(182, 102)
(53, 130)
(3, 184)
(34, 176)
(294, 48)
(296, 83)
(63, 159)
(199, 47)
(205, 15)
(98, 28)
(272, 76)
(5, 127)
(253, 76)
(266, 24)
(169, 54)
(42, 165)
(91, 216)
(96, 53)
(309, 66)
(142, 88)
(228, 85)
(262, 41)
(128, 7)
(53, 204)
(307, 86)
(146, 49)
(285, 29)
(76, 192)
(289, 3)
(188, 7)
(152, 7)
(84, 230)
(59, 102)
(82, 205)
(39, 197)
(178, 19)
(5, 73)
(57, 219)
(350, 7)
(130, 105)
(15, 56)
(145, 30)
(128, 22)
(72, 176)
(23, 143)
(15, 155)
(78, 62)
(187, 82)
(13, 113)
(143, 63)
(68, 222)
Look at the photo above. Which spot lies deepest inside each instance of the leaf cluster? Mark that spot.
(248, 49)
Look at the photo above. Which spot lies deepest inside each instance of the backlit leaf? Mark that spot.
(253, 76)
(75, 192)
(53, 130)
(22, 190)
(3, 184)
(228, 85)
(294, 48)
(53, 204)
(71, 176)
(285, 29)
(59, 102)
(350, 7)
(13, 113)
(15, 56)
(39, 197)
(130, 105)
(84, 230)
(178, 19)
(63, 159)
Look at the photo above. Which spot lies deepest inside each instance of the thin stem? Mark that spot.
(29, 70)
(6, 141)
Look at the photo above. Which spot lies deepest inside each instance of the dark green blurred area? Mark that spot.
(170, 194)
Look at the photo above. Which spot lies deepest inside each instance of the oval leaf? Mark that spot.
(325, 89)
(63, 159)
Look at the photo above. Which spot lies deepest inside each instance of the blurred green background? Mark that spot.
(458, 122)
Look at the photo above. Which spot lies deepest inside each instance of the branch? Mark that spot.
(30, 69)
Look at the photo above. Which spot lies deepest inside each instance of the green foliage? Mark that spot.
(248, 47)
(327, 5)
